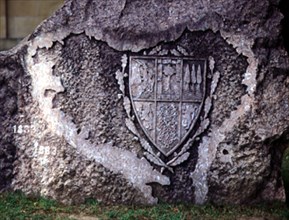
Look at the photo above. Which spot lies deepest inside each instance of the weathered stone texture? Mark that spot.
(10, 99)
(75, 135)
(89, 82)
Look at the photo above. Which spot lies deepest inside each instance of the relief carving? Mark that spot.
(167, 94)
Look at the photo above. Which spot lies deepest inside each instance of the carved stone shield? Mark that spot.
(167, 95)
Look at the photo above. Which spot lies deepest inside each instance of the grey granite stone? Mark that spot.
(69, 128)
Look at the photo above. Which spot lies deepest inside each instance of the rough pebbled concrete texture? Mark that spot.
(62, 125)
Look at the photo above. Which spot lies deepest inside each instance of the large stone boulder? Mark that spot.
(129, 101)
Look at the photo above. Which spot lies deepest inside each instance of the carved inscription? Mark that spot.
(167, 94)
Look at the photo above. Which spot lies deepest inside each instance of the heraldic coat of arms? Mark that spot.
(167, 95)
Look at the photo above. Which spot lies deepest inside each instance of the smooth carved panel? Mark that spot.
(169, 79)
(189, 115)
(143, 79)
(193, 82)
(167, 94)
(146, 115)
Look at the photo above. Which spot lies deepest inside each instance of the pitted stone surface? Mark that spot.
(69, 132)
(89, 82)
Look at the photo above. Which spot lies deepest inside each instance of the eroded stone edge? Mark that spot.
(208, 147)
(115, 159)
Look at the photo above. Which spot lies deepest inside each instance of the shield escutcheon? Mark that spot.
(167, 95)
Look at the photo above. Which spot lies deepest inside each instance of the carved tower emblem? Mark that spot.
(167, 95)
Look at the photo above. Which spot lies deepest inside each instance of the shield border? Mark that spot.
(199, 110)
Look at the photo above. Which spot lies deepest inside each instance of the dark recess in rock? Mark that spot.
(284, 8)
(11, 78)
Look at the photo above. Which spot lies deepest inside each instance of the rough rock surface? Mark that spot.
(68, 130)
